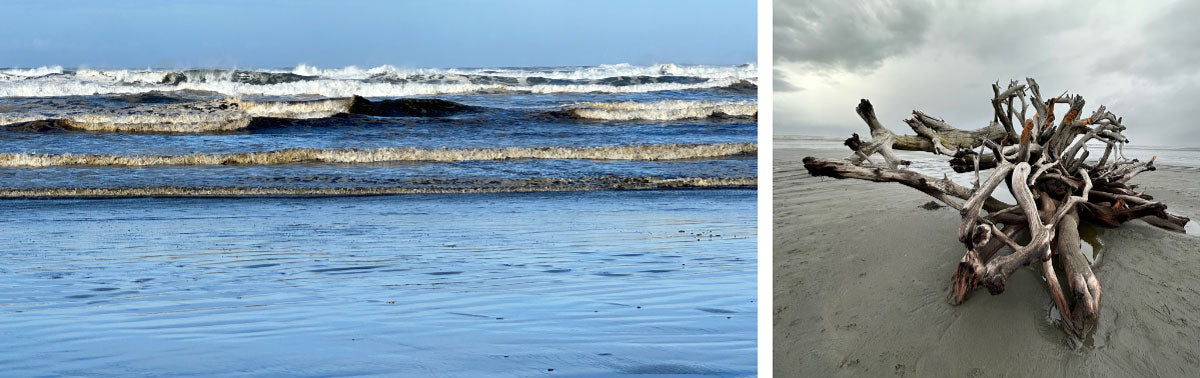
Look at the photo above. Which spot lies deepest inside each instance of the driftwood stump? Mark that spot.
(1044, 165)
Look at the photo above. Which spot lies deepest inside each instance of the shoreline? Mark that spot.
(626, 185)
(861, 274)
(585, 283)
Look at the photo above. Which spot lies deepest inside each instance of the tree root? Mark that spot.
(1043, 165)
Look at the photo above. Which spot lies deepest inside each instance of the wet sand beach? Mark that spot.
(596, 283)
(862, 271)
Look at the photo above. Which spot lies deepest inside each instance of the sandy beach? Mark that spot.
(861, 276)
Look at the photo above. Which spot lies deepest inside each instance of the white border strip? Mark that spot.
(765, 217)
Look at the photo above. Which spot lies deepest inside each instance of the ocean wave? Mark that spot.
(744, 71)
(512, 83)
(22, 73)
(160, 112)
(648, 152)
(383, 81)
(220, 115)
(338, 88)
(190, 117)
(439, 186)
(661, 111)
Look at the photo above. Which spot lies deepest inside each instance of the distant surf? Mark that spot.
(382, 81)
(397, 154)
(307, 130)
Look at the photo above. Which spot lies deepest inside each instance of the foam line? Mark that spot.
(648, 152)
(456, 186)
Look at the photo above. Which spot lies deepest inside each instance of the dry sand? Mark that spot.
(861, 276)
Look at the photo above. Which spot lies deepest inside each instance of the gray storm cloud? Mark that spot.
(848, 35)
(1169, 46)
(1141, 60)
(781, 83)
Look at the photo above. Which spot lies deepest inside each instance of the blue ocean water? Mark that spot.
(378, 221)
(640, 114)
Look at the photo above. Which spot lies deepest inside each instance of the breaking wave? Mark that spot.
(338, 88)
(662, 111)
(745, 71)
(382, 81)
(22, 73)
(221, 115)
(440, 186)
(161, 112)
(207, 116)
(381, 155)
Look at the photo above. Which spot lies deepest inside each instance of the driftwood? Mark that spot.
(1043, 162)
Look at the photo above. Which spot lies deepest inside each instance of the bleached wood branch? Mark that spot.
(1044, 163)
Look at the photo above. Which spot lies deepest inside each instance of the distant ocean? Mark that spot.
(331, 221)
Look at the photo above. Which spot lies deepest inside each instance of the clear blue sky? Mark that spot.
(271, 34)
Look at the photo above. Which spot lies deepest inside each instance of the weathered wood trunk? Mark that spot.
(1043, 165)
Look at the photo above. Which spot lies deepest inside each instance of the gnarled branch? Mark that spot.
(1044, 165)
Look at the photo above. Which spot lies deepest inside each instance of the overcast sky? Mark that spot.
(1140, 58)
(442, 33)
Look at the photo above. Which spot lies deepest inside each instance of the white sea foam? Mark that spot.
(294, 109)
(347, 81)
(162, 122)
(356, 73)
(21, 73)
(10, 118)
(328, 88)
(399, 154)
(662, 110)
(741, 72)
(193, 117)
(119, 76)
